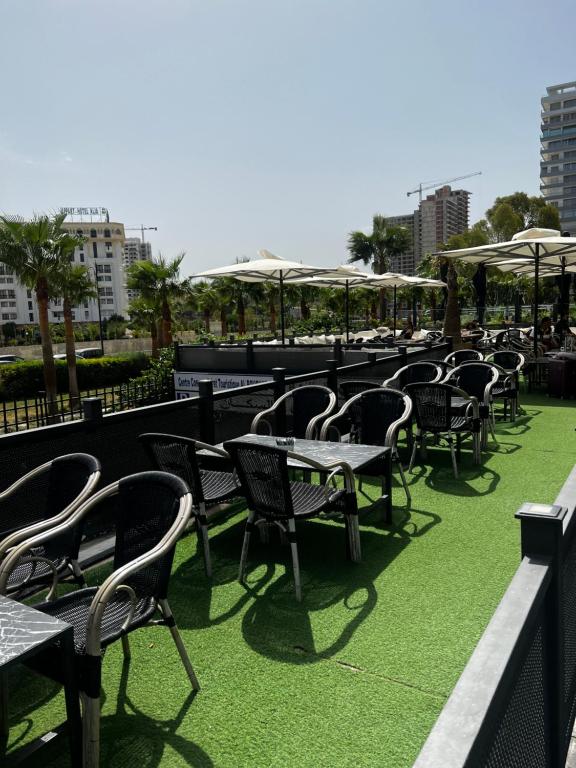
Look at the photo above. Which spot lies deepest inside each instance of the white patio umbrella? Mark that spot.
(269, 268)
(397, 280)
(535, 247)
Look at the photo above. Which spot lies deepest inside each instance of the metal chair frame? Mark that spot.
(485, 409)
(472, 423)
(460, 356)
(15, 537)
(391, 435)
(287, 521)
(193, 476)
(394, 382)
(313, 425)
(508, 375)
(114, 584)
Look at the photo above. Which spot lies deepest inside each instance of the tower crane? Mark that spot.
(142, 228)
(421, 188)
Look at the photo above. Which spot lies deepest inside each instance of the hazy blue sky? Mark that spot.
(234, 125)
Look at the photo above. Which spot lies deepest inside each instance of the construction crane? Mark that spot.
(142, 228)
(421, 186)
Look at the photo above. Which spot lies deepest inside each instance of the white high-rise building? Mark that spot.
(135, 250)
(558, 152)
(102, 252)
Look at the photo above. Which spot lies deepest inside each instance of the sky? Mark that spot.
(235, 125)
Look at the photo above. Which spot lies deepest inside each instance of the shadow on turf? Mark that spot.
(278, 627)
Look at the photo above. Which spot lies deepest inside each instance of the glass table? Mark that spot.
(372, 460)
(25, 632)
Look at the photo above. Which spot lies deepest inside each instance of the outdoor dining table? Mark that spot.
(25, 632)
(375, 460)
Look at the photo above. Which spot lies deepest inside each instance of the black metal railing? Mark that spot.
(515, 702)
(30, 413)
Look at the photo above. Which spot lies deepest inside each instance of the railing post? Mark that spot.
(338, 350)
(333, 375)
(92, 409)
(249, 356)
(279, 376)
(372, 358)
(176, 356)
(403, 352)
(542, 538)
(206, 410)
(450, 341)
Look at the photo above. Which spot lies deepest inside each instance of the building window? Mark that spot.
(93, 233)
(107, 233)
(95, 250)
(29, 305)
(86, 314)
(108, 245)
(31, 316)
(82, 257)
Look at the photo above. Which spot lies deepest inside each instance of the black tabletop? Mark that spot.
(357, 455)
(23, 629)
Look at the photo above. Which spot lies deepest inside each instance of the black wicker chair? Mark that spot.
(478, 379)
(273, 498)
(460, 356)
(151, 510)
(510, 363)
(442, 364)
(432, 407)
(373, 417)
(38, 501)
(412, 373)
(298, 413)
(172, 453)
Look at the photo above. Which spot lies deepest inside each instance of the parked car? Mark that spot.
(83, 354)
(10, 359)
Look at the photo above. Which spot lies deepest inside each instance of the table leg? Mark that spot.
(387, 486)
(4, 723)
(74, 719)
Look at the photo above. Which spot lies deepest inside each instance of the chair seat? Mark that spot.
(460, 424)
(310, 499)
(73, 608)
(218, 486)
(26, 573)
(501, 391)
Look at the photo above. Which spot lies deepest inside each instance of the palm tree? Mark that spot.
(145, 314)
(38, 251)
(158, 282)
(204, 297)
(74, 285)
(378, 248)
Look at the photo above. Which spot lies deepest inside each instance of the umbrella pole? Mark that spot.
(536, 298)
(282, 324)
(347, 312)
(394, 326)
(414, 309)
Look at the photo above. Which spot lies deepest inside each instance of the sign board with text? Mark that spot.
(186, 383)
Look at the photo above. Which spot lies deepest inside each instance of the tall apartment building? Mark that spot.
(439, 216)
(406, 263)
(442, 214)
(135, 250)
(102, 252)
(558, 152)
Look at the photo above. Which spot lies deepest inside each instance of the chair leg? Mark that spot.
(90, 730)
(202, 532)
(245, 545)
(453, 454)
(126, 647)
(169, 618)
(403, 478)
(513, 409)
(78, 574)
(414, 449)
(295, 561)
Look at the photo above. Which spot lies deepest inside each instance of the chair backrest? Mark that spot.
(304, 404)
(48, 491)
(415, 372)
(432, 405)
(263, 474)
(507, 359)
(175, 454)
(461, 355)
(372, 413)
(354, 387)
(148, 505)
(444, 366)
(474, 377)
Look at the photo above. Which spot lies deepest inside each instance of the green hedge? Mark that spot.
(26, 379)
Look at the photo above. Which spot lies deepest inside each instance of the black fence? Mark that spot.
(31, 413)
(515, 703)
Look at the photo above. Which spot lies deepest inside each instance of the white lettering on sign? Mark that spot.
(189, 381)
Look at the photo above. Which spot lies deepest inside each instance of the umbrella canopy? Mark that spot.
(268, 268)
(528, 250)
(397, 280)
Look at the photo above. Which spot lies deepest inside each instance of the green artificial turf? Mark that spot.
(356, 674)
